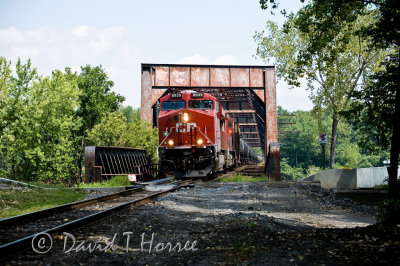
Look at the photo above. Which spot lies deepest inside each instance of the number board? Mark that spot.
(176, 95)
(197, 95)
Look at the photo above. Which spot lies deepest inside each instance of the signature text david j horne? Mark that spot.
(43, 243)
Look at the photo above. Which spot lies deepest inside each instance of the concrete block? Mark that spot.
(351, 178)
(370, 177)
(332, 178)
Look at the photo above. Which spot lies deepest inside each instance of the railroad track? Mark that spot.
(251, 170)
(19, 232)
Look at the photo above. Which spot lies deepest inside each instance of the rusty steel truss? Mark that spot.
(248, 93)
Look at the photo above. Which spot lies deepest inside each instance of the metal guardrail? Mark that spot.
(102, 162)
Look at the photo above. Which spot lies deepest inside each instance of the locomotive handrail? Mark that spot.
(205, 136)
(166, 137)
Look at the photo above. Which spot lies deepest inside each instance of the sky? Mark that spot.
(120, 35)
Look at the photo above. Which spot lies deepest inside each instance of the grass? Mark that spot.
(385, 185)
(23, 200)
(116, 181)
(242, 247)
(242, 178)
(242, 251)
(45, 185)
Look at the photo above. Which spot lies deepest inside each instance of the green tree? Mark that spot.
(111, 131)
(298, 135)
(129, 112)
(37, 117)
(96, 98)
(377, 112)
(115, 130)
(332, 73)
(6, 84)
(142, 135)
(14, 100)
(96, 101)
(48, 126)
(386, 34)
(384, 90)
(289, 172)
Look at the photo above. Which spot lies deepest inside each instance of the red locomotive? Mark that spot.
(196, 137)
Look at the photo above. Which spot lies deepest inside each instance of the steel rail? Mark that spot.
(12, 247)
(32, 216)
(15, 220)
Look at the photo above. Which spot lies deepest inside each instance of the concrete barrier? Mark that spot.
(351, 178)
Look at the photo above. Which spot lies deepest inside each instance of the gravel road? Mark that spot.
(288, 203)
(265, 223)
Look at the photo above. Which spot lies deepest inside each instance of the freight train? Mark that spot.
(196, 138)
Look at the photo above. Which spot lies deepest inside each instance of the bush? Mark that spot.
(290, 173)
(313, 170)
(115, 130)
(389, 214)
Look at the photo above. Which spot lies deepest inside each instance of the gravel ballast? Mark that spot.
(264, 223)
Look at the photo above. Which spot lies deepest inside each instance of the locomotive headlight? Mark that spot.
(199, 141)
(185, 117)
(170, 142)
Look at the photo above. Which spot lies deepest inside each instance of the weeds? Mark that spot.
(242, 249)
(116, 181)
(242, 178)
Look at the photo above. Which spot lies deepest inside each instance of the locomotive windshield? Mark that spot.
(173, 105)
(201, 104)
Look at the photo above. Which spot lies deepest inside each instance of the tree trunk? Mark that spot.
(335, 122)
(395, 146)
(390, 213)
